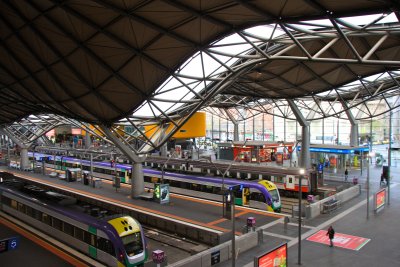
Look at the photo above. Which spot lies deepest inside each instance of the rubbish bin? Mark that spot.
(85, 178)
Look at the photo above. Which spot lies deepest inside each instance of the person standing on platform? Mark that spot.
(346, 175)
(331, 234)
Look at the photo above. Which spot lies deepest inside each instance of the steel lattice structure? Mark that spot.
(178, 57)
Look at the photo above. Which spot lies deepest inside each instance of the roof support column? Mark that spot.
(304, 160)
(164, 150)
(235, 125)
(88, 140)
(24, 160)
(24, 163)
(354, 125)
(137, 179)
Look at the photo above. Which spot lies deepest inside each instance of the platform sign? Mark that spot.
(9, 244)
(380, 199)
(320, 167)
(276, 257)
(340, 240)
(215, 257)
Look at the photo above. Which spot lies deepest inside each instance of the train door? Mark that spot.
(245, 196)
(290, 183)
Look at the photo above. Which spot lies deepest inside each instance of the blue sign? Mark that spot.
(9, 244)
(320, 167)
(335, 150)
(13, 243)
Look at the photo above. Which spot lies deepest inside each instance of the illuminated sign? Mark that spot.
(76, 131)
(161, 193)
(380, 198)
(335, 150)
(273, 258)
(9, 244)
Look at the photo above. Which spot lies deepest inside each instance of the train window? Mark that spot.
(37, 214)
(21, 207)
(105, 245)
(14, 204)
(98, 170)
(79, 233)
(29, 211)
(46, 218)
(89, 238)
(279, 179)
(57, 223)
(257, 197)
(6, 201)
(68, 229)
(133, 244)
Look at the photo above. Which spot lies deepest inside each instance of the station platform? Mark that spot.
(376, 236)
(192, 211)
(358, 241)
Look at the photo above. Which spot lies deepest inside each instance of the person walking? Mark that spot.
(346, 175)
(331, 234)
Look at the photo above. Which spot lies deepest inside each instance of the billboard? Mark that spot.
(276, 257)
(380, 198)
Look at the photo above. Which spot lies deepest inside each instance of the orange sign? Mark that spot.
(380, 198)
(274, 258)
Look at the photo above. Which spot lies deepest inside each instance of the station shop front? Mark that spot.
(255, 151)
(335, 157)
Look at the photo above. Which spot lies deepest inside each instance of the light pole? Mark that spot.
(301, 171)
(370, 155)
(233, 229)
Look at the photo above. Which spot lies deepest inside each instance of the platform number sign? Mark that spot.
(9, 244)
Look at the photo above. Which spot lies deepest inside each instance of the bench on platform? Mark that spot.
(330, 205)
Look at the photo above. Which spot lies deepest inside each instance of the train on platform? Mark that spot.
(261, 194)
(112, 239)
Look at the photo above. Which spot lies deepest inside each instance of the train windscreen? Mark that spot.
(133, 244)
(274, 195)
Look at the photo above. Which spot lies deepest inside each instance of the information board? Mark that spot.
(276, 257)
(215, 257)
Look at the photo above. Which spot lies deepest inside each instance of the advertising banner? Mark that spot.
(178, 151)
(273, 258)
(380, 198)
(340, 240)
(279, 158)
(161, 193)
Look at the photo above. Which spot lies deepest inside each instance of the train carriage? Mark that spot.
(113, 240)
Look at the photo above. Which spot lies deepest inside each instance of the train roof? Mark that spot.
(65, 210)
(125, 225)
(211, 180)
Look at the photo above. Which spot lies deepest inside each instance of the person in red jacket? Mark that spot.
(331, 234)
